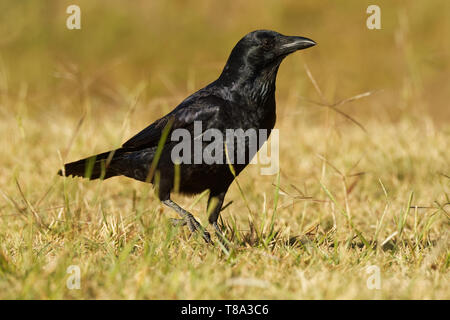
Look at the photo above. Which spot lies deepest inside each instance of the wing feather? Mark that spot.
(180, 117)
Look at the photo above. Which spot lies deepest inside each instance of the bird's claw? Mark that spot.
(178, 222)
(193, 226)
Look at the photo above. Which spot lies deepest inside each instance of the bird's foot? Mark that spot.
(193, 226)
(178, 222)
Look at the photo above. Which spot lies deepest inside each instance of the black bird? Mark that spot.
(243, 97)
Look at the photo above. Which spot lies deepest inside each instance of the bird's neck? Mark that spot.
(254, 87)
(260, 90)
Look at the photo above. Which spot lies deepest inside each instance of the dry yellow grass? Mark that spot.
(338, 186)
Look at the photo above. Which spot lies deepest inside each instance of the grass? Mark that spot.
(365, 182)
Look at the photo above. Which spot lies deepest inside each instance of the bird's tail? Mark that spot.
(94, 167)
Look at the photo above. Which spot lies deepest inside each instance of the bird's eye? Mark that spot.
(267, 43)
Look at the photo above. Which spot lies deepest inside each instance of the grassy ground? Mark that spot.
(373, 190)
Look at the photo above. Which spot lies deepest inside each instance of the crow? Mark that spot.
(243, 97)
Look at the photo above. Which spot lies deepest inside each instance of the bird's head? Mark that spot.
(263, 50)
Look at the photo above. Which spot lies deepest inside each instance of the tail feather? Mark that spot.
(94, 167)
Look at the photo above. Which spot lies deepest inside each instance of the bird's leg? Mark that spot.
(187, 219)
(214, 206)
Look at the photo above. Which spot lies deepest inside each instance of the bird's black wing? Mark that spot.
(181, 117)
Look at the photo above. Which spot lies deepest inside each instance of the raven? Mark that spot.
(243, 97)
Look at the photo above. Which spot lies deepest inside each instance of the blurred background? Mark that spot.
(171, 48)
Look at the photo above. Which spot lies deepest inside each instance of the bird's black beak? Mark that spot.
(291, 44)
